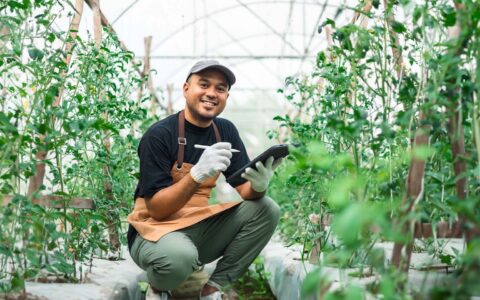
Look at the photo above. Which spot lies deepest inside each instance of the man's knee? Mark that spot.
(268, 208)
(273, 208)
(169, 270)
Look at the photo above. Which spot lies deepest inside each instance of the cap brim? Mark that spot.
(226, 71)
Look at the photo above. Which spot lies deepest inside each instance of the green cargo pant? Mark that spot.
(237, 235)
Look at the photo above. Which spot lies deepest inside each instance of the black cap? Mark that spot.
(213, 64)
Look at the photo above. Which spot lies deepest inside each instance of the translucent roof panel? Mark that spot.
(263, 42)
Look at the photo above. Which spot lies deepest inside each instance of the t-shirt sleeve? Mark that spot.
(155, 165)
(239, 159)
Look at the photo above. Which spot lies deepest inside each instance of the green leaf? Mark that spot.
(32, 257)
(354, 292)
(318, 156)
(35, 53)
(17, 282)
(449, 15)
(387, 287)
(143, 286)
(329, 21)
(51, 37)
(417, 14)
(311, 283)
(51, 246)
(50, 95)
(42, 128)
(398, 27)
(321, 57)
(17, 47)
(446, 259)
(5, 251)
(341, 188)
(15, 4)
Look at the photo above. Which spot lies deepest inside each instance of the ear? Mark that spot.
(185, 88)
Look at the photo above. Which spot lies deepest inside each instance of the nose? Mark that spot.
(210, 93)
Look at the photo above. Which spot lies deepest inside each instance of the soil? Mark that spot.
(21, 296)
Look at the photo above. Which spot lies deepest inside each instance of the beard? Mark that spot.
(200, 117)
(195, 111)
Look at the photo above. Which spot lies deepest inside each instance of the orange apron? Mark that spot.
(194, 211)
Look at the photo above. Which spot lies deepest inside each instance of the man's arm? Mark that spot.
(247, 193)
(170, 199)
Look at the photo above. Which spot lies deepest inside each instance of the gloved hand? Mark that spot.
(260, 178)
(214, 159)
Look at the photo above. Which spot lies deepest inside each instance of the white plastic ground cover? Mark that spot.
(118, 280)
(287, 270)
(109, 280)
(114, 280)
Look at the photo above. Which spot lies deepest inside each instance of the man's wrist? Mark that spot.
(195, 178)
(259, 189)
(198, 177)
(257, 195)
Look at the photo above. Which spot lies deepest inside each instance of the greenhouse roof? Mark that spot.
(262, 41)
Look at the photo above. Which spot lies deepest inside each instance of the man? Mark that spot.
(173, 230)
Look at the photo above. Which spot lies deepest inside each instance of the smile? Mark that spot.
(209, 103)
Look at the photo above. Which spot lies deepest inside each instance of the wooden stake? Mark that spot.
(73, 32)
(147, 41)
(37, 180)
(104, 21)
(456, 131)
(154, 101)
(169, 99)
(414, 186)
(396, 47)
(112, 217)
(97, 23)
(366, 9)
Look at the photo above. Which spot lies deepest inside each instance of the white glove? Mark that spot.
(214, 159)
(260, 178)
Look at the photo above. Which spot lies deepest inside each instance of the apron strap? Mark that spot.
(182, 141)
(218, 137)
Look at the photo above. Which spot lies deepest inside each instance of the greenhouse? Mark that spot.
(239, 149)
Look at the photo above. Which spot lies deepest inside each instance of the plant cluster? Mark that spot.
(254, 283)
(83, 116)
(374, 90)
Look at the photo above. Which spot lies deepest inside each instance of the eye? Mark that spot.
(203, 84)
(221, 89)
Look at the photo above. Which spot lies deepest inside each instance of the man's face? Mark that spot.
(206, 94)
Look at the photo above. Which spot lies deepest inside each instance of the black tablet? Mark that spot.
(276, 151)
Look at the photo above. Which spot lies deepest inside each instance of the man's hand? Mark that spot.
(260, 178)
(215, 158)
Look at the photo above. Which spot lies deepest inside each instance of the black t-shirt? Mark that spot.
(158, 152)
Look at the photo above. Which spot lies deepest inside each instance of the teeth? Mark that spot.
(209, 103)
